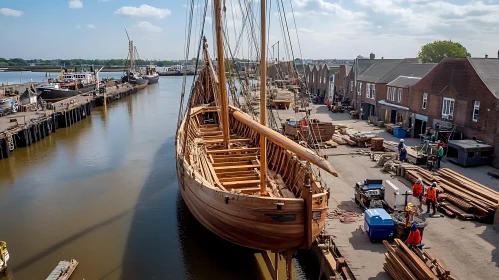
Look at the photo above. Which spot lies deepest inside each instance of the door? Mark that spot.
(393, 116)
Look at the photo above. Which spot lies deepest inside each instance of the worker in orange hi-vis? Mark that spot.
(328, 104)
(431, 198)
(414, 238)
(418, 191)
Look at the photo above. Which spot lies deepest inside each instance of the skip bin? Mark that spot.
(378, 224)
(399, 132)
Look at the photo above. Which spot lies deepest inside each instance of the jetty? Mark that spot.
(22, 129)
(63, 270)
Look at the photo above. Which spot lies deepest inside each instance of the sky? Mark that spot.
(325, 28)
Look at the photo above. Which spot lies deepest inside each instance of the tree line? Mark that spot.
(97, 62)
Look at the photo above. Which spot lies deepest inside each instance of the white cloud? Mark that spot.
(209, 20)
(144, 11)
(147, 27)
(10, 12)
(75, 4)
(78, 26)
(91, 26)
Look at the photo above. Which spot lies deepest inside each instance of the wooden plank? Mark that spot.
(217, 141)
(228, 159)
(240, 183)
(241, 178)
(236, 173)
(400, 265)
(235, 168)
(230, 163)
(424, 269)
(244, 150)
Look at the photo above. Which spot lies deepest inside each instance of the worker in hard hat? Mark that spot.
(418, 190)
(431, 198)
(414, 238)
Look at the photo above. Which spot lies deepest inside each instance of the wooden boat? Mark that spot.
(242, 180)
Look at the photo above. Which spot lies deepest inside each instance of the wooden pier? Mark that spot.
(22, 129)
(63, 270)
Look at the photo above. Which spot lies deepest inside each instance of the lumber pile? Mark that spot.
(464, 198)
(320, 131)
(377, 144)
(412, 154)
(338, 139)
(413, 264)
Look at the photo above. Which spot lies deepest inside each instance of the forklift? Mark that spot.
(370, 194)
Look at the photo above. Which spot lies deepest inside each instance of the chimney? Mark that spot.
(486, 56)
(497, 54)
(372, 56)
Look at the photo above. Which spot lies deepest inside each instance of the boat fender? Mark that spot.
(279, 205)
(226, 199)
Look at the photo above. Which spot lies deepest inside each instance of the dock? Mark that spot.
(22, 129)
(63, 270)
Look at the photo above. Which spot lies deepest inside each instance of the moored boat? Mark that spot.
(151, 75)
(70, 84)
(242, 180)
(4, 255)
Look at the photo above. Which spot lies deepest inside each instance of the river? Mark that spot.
(104, 192)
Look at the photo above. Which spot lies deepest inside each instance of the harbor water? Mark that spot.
(104, 192)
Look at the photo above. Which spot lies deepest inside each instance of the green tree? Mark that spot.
(438, 50)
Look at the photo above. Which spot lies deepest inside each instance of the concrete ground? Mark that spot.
(470, 249)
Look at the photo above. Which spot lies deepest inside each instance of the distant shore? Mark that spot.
(54, 69)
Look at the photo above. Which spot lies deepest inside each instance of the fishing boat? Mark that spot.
(133, 75)
(241, 179)
(151, 75)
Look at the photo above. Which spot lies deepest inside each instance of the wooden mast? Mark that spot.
(224, 103)
(263, 97)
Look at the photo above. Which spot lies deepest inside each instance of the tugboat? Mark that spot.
(69, 84)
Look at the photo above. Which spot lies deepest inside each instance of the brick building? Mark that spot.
(460, 94)
(394, 90)
(340, 79)
(319, 77)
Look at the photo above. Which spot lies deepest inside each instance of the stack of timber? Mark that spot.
(338, 139)
(377, 144)
(464, 198)
(412, 154)
(413, 264)
(320, 131)
(390, 126)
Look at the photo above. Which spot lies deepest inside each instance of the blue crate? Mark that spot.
(378, 224)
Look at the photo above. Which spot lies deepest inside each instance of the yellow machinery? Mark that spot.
(4, 255)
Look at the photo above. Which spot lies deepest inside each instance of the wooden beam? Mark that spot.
(235, 168)
(269, 264)
(229, 163)
(224, 151)
(233, 158)
(241, 178)
(240, 183)
(236, 173)
(218, 141)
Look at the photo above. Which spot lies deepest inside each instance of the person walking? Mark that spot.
(431, 199)
(440, 155)
(417, 191)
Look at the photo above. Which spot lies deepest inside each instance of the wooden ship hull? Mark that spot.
(219, 167)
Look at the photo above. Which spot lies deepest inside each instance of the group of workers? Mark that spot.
(402, 148)
(418, 192)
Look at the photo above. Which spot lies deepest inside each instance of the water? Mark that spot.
(8, 78)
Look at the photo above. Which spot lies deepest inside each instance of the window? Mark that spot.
(425, 100)
(373, 91)
(359, 88)
(313, 79)
(351, 86)
(448, 108)
(399, 99)
(476, 108)
(368, 90)
(391, 93)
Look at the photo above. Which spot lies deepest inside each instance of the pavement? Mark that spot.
(470, 249)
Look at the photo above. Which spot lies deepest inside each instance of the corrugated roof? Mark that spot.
(404, 82)
(488, 70)
(378, 70)
(407, 69)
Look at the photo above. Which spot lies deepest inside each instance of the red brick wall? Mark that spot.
(456, 78)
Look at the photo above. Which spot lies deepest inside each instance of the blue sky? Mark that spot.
(326, 28)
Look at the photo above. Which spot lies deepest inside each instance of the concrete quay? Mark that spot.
(25, 128)
(470, 249)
